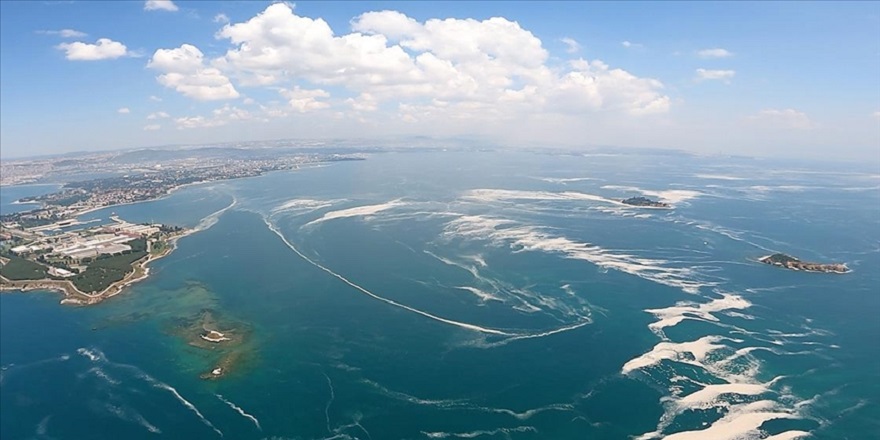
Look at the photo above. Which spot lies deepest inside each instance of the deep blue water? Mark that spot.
(478, 295)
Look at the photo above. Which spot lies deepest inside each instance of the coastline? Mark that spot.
(72, 295)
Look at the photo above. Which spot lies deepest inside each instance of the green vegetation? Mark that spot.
(67, 201)
(107, 269)
(21, 269)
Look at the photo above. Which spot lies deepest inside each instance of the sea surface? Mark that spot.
(476, 295)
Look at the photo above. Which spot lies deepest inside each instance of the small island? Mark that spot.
(789, 262)
(644, 202)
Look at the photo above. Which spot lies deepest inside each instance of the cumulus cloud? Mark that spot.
(717, 75)
(155, 98)
(786, 118)
(572, 46)
(219, 117)
(221, 18)
(158, 115)
(185, 71)
(103, 49)
(152, 127)
(160, 5)
(123, 110)
(631, 45)
(714, 53)
(65, 33)
(454, 67)
(304, 101)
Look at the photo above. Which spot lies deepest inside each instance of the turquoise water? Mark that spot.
(480, 295)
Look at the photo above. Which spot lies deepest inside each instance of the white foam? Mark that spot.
(498, 195)
(211, 219)
(574, 326)
(241, 411)
(303, 205)
(358, 211)
(563, 181)
(709, 395)
(473, 434)
(463, 325)
(93, 354)
(527, 238)
(673, 351)
(788, 435)
(737, 424)
(130, 415)
(185, 402)
(718, 177)
(329, 402)
(477, 258)
(97, 371)
(484, 296)
(671, 316)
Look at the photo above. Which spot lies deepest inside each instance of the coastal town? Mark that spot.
(164, 173)
(50, 248)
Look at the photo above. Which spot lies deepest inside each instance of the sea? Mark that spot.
(484, 295)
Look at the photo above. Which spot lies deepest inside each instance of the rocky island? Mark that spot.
(789, 262)
(644, 202)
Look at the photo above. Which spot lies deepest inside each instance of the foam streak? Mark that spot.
(385, 300)
(241, 411)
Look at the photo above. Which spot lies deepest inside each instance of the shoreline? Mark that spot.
(72, 295)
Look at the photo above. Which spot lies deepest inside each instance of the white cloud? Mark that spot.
(452, 67)
(185, 71)
(631, 45)
(363, 103)
(786, 118)
(196, 122)
(158, 115)
(876, 115)
(304, 101)
(65, 33)
(714, 53)
(717, 75)
(155, 98)
(221, 18)
(160, 5)
(152, 127)
(123, 110)
(572, 46)
(104, 49)
(219, 117)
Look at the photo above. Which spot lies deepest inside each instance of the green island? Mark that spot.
(88, 265)
(644, 202)
(789, 262)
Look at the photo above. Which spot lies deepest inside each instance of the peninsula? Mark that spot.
(644, 202)
(789, 262)
(86, 265)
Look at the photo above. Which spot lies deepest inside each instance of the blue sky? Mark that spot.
(772, 78)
